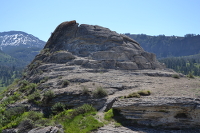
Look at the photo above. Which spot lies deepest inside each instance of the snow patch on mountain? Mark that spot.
(18, 38)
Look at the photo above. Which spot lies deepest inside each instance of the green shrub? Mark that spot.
(109, 115)
(176, 76)
(144, 92)
(34, 116)
(85, 90)
(100, 92)
(35, 64)
(190, 75)
(48, 96)
(10, 117)
(33, 97)
(134, 94)
(65, 83)
(23, 83)
(58, 107)
(27, 87)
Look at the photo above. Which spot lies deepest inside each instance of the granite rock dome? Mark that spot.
(93, 46)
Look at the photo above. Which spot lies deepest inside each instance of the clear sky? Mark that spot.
(151, 17)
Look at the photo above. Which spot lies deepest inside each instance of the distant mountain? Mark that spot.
(19, 38)
(169, 46)
(20, 45)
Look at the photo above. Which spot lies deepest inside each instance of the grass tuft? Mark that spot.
(100, 92)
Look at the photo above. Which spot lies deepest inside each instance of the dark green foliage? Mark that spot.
(58, 107)
(32, 115)
(100, 92)
(83, 109)
(8, 74)
(11, 114)
(34, 97)
(26, 87)
(185, 65)
(48, 96)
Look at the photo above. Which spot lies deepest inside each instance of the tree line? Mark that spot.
(183, 65)
(8, 74)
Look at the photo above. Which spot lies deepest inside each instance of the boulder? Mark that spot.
(49, 129)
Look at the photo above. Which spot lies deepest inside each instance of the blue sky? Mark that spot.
(151, 17)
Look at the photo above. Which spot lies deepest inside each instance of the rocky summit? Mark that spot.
(96, 47)
(94, 65)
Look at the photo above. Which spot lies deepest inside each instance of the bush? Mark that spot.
(33, 97)
(190, 75)
(65, 83)
(85, 90)
(144, 92)
(134, 94)
(109, 115)
(48, 95)
(58, 107)
(27, 87)
(34, 116)
(99, 92)
(176, 76)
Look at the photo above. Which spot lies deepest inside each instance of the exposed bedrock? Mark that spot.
(167, 112)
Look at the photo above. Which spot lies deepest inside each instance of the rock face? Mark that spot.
(93, 46)
(167, 112)
(78, 53)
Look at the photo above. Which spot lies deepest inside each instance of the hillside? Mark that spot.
(169, 46)
(88, 78)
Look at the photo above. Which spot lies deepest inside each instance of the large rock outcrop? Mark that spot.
(93, 46)
(79, 53)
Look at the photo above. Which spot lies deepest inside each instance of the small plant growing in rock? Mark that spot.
(58, 107)
(49, 95)
(134, 94)
(34, 97)
(109, 115)
(85, 90)
(190, 75)
(60, 77)
(65, 83)
(176, 76)
(100, 92)
(144, 92)
(45, 79)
